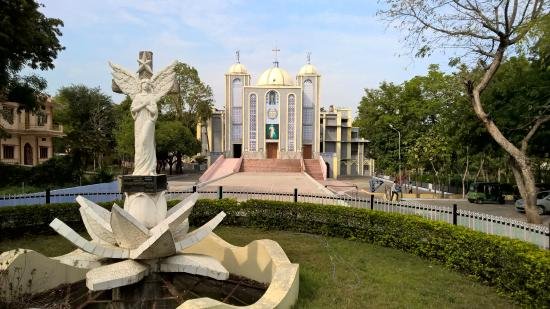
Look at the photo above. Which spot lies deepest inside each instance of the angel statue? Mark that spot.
(145, 93)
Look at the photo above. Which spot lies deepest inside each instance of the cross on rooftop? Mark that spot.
(308, 57)
(276, 62)
(238, 56)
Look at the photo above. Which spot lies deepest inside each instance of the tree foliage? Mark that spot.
(27, 38)
(193, 103)
(89, 121)
(486, 31)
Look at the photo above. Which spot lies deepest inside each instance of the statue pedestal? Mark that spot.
(145, 198)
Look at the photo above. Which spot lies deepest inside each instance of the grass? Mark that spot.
(338, 273)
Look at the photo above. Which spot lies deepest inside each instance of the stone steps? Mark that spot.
(313, 168)
(271, 165)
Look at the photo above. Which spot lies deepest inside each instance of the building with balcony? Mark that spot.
(30, 134)
(340, 144)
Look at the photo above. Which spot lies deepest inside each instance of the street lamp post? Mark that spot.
(399, 147)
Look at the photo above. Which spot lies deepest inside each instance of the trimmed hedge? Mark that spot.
(516, 268)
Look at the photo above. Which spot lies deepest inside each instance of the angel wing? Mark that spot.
(127, 81)
(164, 80)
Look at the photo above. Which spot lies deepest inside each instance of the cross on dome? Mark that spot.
(238, 56)
(308, 57)
(276, 62)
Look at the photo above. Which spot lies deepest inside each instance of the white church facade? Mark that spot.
(280, 117)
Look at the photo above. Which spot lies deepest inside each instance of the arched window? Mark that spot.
(291, 121)
(236, 110)
(272, 98)
(253, 126)
(308, 112)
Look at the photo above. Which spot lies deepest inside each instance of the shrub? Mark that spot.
(518, 269)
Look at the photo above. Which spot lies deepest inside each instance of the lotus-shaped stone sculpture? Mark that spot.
(122, 250)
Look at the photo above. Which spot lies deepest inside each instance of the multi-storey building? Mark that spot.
(30, 134)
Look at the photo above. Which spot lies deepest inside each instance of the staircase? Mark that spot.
(313, 168)
(271, 165)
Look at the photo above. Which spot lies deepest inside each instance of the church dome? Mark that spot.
(237, 68)
(308, 69)
(275, 76)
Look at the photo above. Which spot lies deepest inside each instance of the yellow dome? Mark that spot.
(237, 68)
(275, 76)
(308, 69)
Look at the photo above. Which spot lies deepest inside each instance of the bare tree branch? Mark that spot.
(540, 120)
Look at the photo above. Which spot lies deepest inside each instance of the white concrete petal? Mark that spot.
(115, 275)
(195, 264)
(200, 233)
(158, 245)
(177, 214)
(101, 250)
(129, 233)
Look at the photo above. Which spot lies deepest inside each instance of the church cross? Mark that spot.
(308, 57)
(276, 50)
(238, 56)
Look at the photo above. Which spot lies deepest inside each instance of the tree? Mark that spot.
(174, 140)
(193, 103)
(27, 38)
(485, 30)
(89, 122)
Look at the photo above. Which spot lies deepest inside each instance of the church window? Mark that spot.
(272, 98)
(291, 121)
(252, 122)
(308, 112)
(236, 110)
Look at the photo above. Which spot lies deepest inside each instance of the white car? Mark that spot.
(543, 203)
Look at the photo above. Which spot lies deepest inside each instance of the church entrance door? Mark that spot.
(306, 152)
(272, 150)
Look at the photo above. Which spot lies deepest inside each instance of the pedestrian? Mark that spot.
(395, 189)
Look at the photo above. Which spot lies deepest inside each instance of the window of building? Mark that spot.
(252, 129)
(8, 151)
(291, 121)
(236, 111)
(41, 119)
(7, 113)
(43, 152)
(43, 139)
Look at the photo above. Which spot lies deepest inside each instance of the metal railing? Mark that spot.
(485, 223)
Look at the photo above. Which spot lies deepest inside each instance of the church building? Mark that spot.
(275, 118)
(278, 117)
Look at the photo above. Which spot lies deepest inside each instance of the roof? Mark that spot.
(275, 76)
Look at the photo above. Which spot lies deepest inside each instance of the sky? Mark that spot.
(351, 47)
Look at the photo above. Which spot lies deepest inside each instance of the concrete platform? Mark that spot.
(270, 182)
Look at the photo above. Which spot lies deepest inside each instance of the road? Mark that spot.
(507, 210)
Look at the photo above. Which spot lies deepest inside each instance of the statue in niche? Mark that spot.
(145, 93)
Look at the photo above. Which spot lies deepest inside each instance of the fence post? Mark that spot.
(47, 195)
(455, 213)
(220, 192)
(295, 195)
(371, 201)
(194, 189)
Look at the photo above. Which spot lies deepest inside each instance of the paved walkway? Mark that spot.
(271, 182)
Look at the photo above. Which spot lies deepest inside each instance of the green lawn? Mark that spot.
(337, 273)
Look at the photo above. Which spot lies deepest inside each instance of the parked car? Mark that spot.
(543, 203)
(481, 192)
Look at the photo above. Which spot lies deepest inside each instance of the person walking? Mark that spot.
(395, 190)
